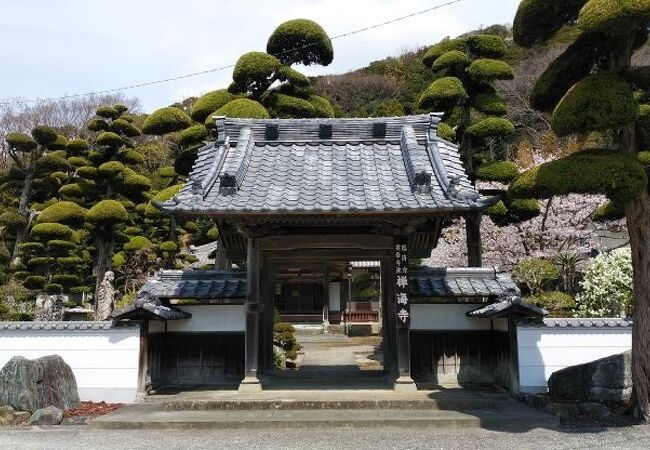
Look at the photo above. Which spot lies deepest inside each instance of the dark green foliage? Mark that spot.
(111, 169)
(618, 176)
(21, 142)
(49, 231)
(195, 134)
(293, 77)
(522, 209)
(639, 77)
(254, 71)
(44, 135)
(73, 190)
(596, 103)
(108, 112)
(643, 128)
(136, 183)
(538, 20)
(613, 17)
(213, 234)
(491, 126)
(498, 213)
(609, 211)
(40, 262)
(443, 94)
(535, 273)
(32, 247)
(454, 60)
(243, 107)
(446, 132)
(166, 120)
(125, 127)
(502, 171)
(109, 139)
(487, 70)
(107, 212)
(437, 50)
(66, 280)
(490, 103)
(69, 261)
(184, 162)
(5, 256)
(34, 282)
(67, 213)
(553, 301)
(60, 143)
(53, 289)
(51, 163)
(166, 172)
(137, 243)
(129, 156)
(164, 195)
(12, 219)
(322, 106)
(60, 245)
(119, 259)
(286, 106)
(573, 65)
(168, 246)
(97, 125)
(209, 103)
(487, 45)
(301, 41)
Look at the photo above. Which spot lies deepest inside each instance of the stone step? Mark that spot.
(147, 416)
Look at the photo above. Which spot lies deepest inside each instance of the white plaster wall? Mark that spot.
(206, 318)
(104, 362)
(334, 296)
(450, 317)
(544, 350)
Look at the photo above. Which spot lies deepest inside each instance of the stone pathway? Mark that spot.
(335, 350)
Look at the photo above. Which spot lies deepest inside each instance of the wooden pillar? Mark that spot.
(251, 382)
(474, 245)
(267, 292)
(514, 355)
(326, 297)
(402, 315)
(143, 361)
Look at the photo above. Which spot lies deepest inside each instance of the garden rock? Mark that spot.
(47, 416)
(28, 385)
(607, 380)
(9, 416)
(562, 410)
(594, 410)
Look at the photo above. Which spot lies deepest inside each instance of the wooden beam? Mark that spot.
(143, 361)
(474, 244)
(364, 242)
(251, 382)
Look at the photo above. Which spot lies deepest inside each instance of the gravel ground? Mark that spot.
(74, 437)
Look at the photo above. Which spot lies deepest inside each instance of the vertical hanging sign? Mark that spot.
(402, 307)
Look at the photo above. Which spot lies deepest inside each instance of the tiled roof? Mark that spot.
(151, 311)
(504, 308)
(196, 284)
(580, 323)
(459, 282)
(378, 165)
(61, 326)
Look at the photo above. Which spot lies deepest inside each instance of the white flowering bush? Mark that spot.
(607, 286)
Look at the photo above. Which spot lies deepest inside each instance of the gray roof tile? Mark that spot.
(459, 282)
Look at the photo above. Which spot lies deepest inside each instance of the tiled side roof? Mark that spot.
(504, 308)
(459, 282)
(405, 169)
(581, 323)
(151, 311)
(63, 326)
(197, 284)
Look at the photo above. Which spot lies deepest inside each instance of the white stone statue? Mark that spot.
(105, 297)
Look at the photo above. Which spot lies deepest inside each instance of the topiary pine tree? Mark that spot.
(464, 91)
(108, 185)
(593, 90)
(39, 165)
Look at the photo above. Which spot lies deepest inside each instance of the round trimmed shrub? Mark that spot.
(487, 70)
(322, 106)
(498, 212)
(535, 273)
(66, 280)
(137, 183)
(522, 209)
(490, 103)
(61, 177)
(301, 41)
(53, 289)
(609, 211)
(443, 94)
(286, 106)
(44, 135)
(40, 262)
(52, 163)
(111, 169)
(618, 176)
(67, 213)
(108, 112)
(553, 301)
(538, 20)
(137, 243)
(125, 127)
(607, 16)
(109, 139)
(487, 45)
(69, 261)
(213, 234)
(60, 245)
(49, 231)
(164, 195)
(166, 172)
(206, 104)
(107, 212)
(168, 246)
(34, 282)
(72, 190)
(77, 147)
(118, 259)
(21, 142)
(97, 125)
(293, 77)
(133, 231)
(446, 132)
(437, 50)
(597, 103)
(242, 108)
(195, 134)
(254, 66)
(191, 227)
(501, 171)
(59, 144)
(31, 247)
(452, 60)
(130, 156)
(166, 120)
(491, 127)
(12, 219)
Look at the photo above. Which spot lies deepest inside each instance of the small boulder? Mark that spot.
(594, 410)
(9, 416)
(47, 416)
(607, 380)
(28, 385)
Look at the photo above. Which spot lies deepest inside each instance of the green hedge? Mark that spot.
(193, 135)
(501, 171)
(208, 103)
(286, 106)
(67, 213)
(97, 125)
(487, 70)
(166, 120)
(107, 212)
(490, 103)
(453, 60)
(48, 231)
(322, 106)
(109, 139)
(487, 45)
(446, 132)
(77, 147)
(491, 127)
(242, 108)
(108, 112)
(443, 94)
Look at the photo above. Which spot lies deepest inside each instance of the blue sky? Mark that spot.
(57, 47)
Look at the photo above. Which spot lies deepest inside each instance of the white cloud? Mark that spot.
(71, 46)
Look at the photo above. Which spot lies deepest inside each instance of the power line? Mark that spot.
(229, 66)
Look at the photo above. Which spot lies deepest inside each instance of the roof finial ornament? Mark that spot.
(220, 122)
(456, 190)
